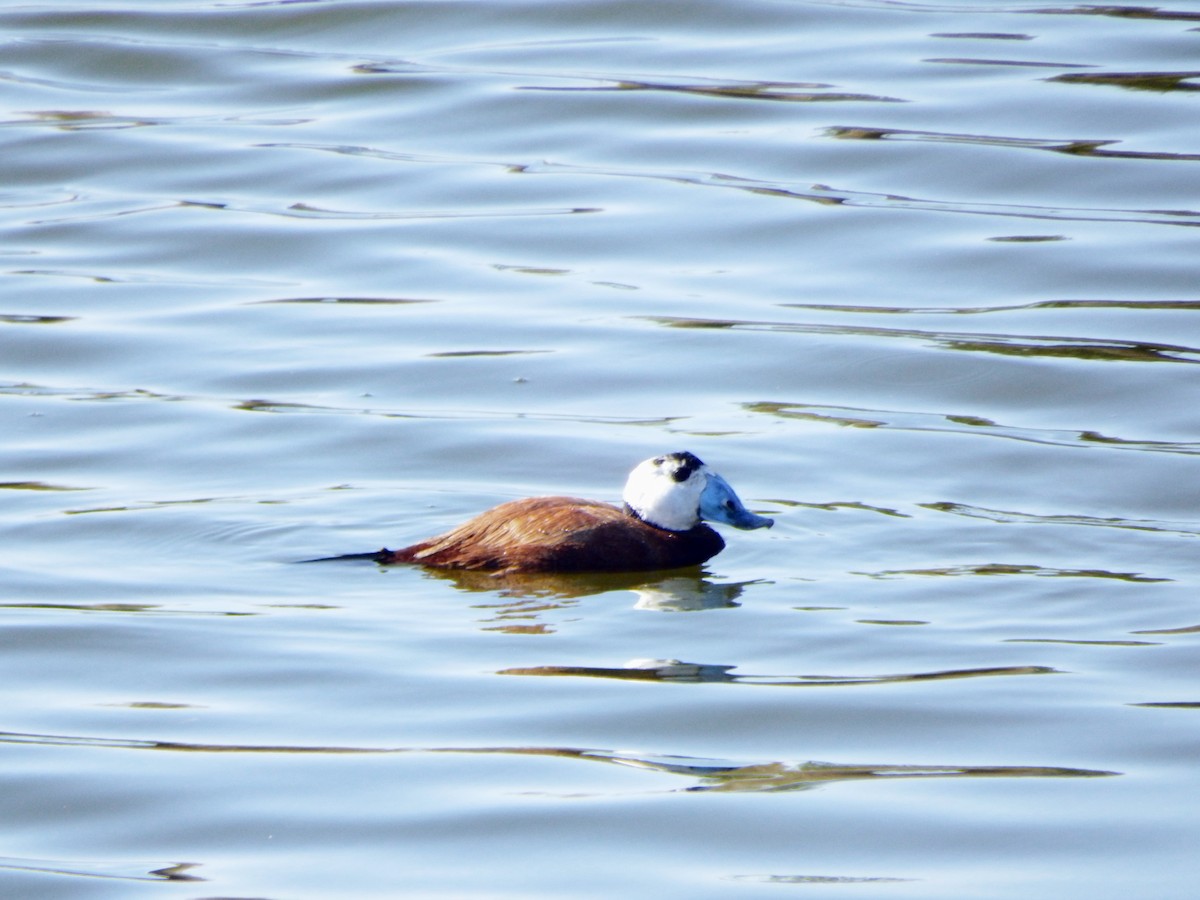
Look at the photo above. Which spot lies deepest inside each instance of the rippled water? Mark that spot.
(291, 279)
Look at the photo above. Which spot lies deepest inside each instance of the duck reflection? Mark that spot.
(677, 670)
(126, 871)
(681, 590)
(771, 777)
(707, 774)
(684, 594)
(524, 597)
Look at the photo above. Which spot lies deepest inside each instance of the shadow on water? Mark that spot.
(706, 774)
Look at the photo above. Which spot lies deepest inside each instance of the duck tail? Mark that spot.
(379, 556)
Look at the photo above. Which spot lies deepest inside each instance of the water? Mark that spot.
(285, 280)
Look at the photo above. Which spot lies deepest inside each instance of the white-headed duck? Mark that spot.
(660, 526)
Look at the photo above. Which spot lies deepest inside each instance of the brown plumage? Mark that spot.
(660, 526)
(560, 534)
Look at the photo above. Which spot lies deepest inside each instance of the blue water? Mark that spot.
(284, 280)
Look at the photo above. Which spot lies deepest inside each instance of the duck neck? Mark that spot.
(629, 510)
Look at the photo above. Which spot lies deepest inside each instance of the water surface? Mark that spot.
(283, 280)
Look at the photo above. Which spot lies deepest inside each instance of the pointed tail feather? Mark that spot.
(380, 556)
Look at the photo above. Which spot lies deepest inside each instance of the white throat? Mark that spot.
(657, 498)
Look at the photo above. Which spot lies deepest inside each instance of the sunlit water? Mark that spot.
(293, 279)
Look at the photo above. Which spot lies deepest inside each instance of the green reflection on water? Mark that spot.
(1160, 82)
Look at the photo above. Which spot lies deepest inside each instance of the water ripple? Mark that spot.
(1070, 147)
(792, 92)
(1015, 569)
(101, 120)
(124, 870)
(113, 208)
(27, 389)
(1117, 11)
(1016, 63)
(1158, 82)
(831, 196)
(853, 417)
(1010, 517)
(1080, 348)
(824, 195)
(711, 774)
(1169, 305)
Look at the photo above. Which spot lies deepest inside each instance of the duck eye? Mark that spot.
(659, 460)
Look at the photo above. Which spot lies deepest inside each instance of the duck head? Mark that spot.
(677, 491)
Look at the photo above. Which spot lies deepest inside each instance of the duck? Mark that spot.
(660, 524)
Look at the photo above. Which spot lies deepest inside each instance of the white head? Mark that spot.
(676, 491)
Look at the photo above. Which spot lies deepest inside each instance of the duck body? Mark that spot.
(561, 534)
(659, 526)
